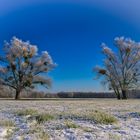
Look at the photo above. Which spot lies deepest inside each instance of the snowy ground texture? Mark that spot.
(70, 120)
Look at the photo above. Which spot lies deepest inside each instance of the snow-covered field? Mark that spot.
(70, 119)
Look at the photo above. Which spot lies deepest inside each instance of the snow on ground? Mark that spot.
(65, 126)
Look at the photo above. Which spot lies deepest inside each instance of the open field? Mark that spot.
(93, 119)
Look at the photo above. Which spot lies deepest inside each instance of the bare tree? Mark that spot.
(22, 67)
(121, 67)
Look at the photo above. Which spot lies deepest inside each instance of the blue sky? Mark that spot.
(71, 31)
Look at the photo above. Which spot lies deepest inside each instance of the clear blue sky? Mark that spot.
(71, 31)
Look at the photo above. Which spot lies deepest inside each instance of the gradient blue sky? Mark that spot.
(71, 31)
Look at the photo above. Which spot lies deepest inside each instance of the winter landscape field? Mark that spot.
(70, 70)
(70, 119)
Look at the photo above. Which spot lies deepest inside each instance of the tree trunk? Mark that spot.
(124, 94)
(117, 93)
(17, 97)
(118, 96)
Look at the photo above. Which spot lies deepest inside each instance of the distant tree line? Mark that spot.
(6, 93)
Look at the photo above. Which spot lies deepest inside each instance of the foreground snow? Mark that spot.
(26, 127)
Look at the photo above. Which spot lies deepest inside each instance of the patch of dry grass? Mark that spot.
(94, 115)
(26, 112)
(6, 123)
(101, 117)
(70, 124)
(40, 118)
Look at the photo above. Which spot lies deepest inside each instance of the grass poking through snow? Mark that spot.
(70, 124)
(6, 123)
(26, 112)
(40, 118)
(101, 117)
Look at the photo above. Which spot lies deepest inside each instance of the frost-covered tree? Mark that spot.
(22, 67)
(121, 67)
